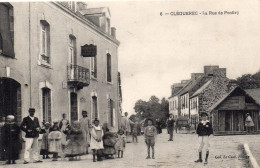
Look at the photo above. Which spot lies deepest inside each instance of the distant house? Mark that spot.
(174, 100)
(228, 113)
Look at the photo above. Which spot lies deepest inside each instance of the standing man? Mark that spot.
(31, 127)
(126, 126)
(204, 130)
(85, 124)
(170, 126)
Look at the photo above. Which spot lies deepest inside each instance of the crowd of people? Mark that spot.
(63, 139)
(60, 139)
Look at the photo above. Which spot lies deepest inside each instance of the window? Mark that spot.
(1, 44)
(108, 26)
(72, 5)
(187, 100)
(109, 77)
(72, 50)
(73, 107)
(46, 104)
(6, 30)
(45, 41)
(94, 108)
(111, 112)
(94, 66)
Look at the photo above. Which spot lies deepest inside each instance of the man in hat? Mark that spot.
(126, 126)
(30, 125)
(85, 124)
(204, 130)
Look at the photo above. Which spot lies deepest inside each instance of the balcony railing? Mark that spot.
(78, 76)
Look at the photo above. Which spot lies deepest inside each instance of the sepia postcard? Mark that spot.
(129, 84)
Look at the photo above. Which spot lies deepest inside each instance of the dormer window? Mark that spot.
(72, 6)
(108, 26)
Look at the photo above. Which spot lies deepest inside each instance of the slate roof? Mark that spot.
(255, 94)
(194, 85)
(201, 89)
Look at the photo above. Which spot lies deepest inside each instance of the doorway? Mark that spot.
(10, 98)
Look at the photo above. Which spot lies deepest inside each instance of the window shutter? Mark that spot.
(95, 66)
(49, 106)
(5, 31)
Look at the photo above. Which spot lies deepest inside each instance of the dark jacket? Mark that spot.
(170, 123)
(12, 141)
(29, 127)
(204, 130)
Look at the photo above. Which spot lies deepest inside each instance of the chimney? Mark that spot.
(208, 70)
(81, 6)
(113, 32)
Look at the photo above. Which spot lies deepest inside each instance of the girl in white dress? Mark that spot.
(96, 142)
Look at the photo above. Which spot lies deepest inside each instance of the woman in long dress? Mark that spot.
(249, 124)
(75, 147)
(96, 142)
(63, 125)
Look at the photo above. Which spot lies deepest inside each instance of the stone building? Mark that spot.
(58, 57)
(227, 104)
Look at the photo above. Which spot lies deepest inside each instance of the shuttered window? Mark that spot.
(73, 107)
(6, 30)
(46, 104)
(111, 112)
(94, 108)
(109, 79)
(94, 66)
(45, 41)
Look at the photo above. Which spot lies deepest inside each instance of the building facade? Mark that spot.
(57, 59)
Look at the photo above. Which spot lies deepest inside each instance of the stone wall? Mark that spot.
(215, 90)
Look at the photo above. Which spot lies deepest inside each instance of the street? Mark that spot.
(225, 152)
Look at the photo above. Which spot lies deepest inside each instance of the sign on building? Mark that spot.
(89, 50)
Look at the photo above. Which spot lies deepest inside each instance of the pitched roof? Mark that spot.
(201, 89)
(255, 94)
(226, 95)
(195, 84)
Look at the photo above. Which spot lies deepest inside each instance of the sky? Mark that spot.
(157, 51)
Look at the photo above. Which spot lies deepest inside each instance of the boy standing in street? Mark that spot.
(170, 126)
(149, 134)
(204, 130)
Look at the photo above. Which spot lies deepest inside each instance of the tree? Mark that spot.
(249, 81)
(154, 109)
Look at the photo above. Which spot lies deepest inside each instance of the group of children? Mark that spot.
(74, 145)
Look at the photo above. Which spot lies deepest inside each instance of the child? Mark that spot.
(204, 130)
(12, 140)
(75, 149)
(149, 134)
(120, 144)
(96, 143)
(55, 142)
(134, 132)
(45, 145)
